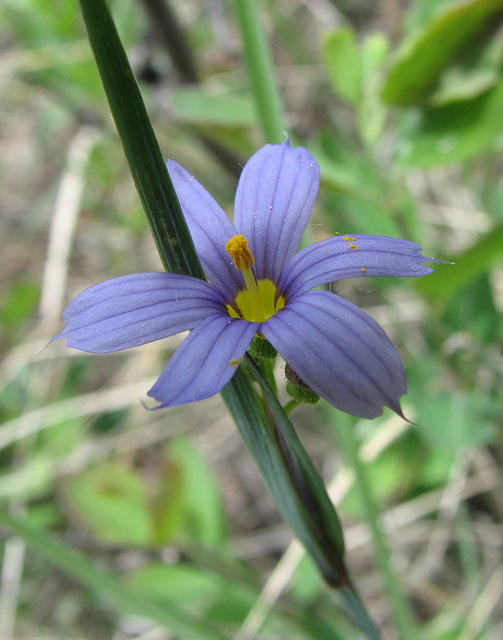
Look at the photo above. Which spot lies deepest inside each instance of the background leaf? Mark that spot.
(455, 132)
(110, 500)
(425, 54)
(342, 60)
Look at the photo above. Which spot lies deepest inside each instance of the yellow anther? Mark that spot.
(348, 238)
(353, 246)
(237, 247)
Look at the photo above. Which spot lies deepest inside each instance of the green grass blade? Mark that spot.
(260, 71)
(106, 585)
(298, 490)
(288, 472)
(294, 483)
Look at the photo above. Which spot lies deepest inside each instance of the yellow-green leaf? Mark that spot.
(424, 56)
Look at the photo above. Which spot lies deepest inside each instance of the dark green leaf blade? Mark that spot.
(297, 488)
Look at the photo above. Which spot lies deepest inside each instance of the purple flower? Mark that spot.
(257, 282)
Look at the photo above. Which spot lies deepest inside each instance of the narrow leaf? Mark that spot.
(286, 468)
(288, 472)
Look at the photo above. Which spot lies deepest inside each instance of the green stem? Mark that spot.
(311, 513)
(290, 406)
(400, 608)
(288, 471)
(267, 366)
(260, 70)
(292, 479)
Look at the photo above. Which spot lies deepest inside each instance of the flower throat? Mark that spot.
(258, 301)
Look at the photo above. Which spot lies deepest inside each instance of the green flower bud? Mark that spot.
(262, 348)
(298, 389)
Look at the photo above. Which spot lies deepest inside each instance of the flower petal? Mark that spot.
(133, 310)
(352, 257)
(204, 362)
(210, 229)
(340, 352)
(274, 199)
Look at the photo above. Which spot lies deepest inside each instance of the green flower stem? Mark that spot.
(290, 475)
(290, 406)
(400, 608)
(148, 169)
(260, 71)
(267, 366)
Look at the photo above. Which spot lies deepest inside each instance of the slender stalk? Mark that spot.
(400, 608)
(316, 515)
(267, 366)
(260, 71)
(170, 34)
(290, 406)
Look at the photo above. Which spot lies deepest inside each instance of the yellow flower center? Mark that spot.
(259, 300)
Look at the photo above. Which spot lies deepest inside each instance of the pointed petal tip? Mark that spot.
(152, 403)
(60, 335)
(429, 259)
(401, 414)
(340, 352)
(162, 399)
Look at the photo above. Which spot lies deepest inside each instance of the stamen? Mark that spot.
(243, 258)
(238, 249)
